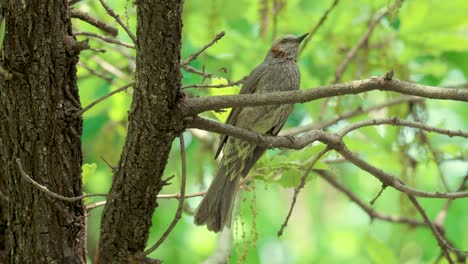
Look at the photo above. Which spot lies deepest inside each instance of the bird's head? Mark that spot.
(287, 47)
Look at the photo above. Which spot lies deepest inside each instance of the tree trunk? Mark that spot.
(38, 99)
(154, 122)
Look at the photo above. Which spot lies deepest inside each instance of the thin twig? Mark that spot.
(178, 214)
(111, 68)
(399, 122)
(393, 181)
(93, 21)
(353, 113)
(229, 84)
(193, 56)
(89, 207)
(202, 72)
(50, 193)
(299, 187)
(318, 25)
(118, 20)
(332, 140)
(368, 209)
(440, 218)
(118, 90)
(94, 72)
(353, 52)
(436, 157)
(159, 196)
(440, 240)
(104, 38)
(113, 168)
(378, 194)
(362, 41)
(96, 50)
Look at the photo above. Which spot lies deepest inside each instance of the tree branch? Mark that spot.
(93, 21)
(393, 181)
(440, 240)
(104, 38)
(160, 196)
(398, 122)
(193, 56)
(299, 187)
(334, 141)
(50, 193)
(318, 25)
(125, 87)
(362, 41)
(373, 214)
(94, 72)
(118, 20)
(229, 84)
(194, 106)
(178, 214)
(353, 113)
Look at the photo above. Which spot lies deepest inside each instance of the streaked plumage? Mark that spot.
(278, 72)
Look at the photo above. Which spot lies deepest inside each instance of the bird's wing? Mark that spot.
(249, 87)
(258, 151)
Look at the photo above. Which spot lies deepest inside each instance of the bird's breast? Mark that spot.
(280, 76)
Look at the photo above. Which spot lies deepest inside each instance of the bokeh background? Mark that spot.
(424, 41)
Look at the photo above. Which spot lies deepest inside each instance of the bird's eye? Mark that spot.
(283, 41)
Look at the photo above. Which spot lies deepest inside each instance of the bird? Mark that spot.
(278, 72)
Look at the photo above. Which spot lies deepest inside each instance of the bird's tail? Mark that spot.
(215, 210)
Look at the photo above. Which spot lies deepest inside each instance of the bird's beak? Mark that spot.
(301, 38)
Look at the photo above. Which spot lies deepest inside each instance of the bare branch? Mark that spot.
(362, 41)
(298, 142)
(202, 72)
(194, 106)
(398, 122)
(160, 196)
(353, 52)
(378, 194)
(104, 38)
(393, 181)
(178, 214)
(229, 84)
(193, 56)
(356, 112)
(332, 140)
(435, 155)
(94, 72)
(93, 21)
(440, 218)
(369, 210)
(318, 25)
(50, 193)
(440, 240)
(111, 68)
(299, 187)
(118, 20)
(125, 87)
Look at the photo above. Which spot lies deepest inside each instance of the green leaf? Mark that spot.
(87, 170)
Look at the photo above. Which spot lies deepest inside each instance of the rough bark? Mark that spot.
(38, 97)
(154, 122)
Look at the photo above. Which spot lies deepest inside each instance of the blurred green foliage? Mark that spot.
(424, 41)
